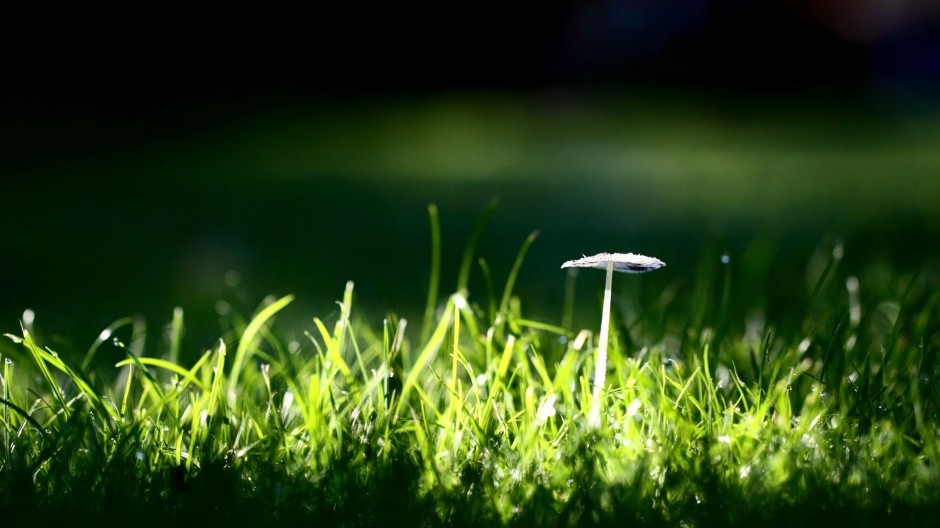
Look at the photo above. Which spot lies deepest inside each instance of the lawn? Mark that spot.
(477, 415)
(781, 369)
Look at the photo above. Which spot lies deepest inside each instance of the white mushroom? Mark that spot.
(624, 262)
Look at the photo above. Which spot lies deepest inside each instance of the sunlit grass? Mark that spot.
(712, 416)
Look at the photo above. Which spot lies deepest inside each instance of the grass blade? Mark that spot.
(435, 279)
(248, 337)
(503, 315)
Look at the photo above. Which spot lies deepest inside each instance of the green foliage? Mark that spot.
(712, 416)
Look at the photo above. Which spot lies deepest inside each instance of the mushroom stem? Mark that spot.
(600, 366)
(627, 263)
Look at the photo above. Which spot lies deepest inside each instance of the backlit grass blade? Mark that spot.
(40, 357)
(186, 374)
(342, 332)
(44, 358)
(435, 275)
(324, 333)
(176, 335)
(433, 344)
(466, 262)
(105, 335)
(248, 338)
(215, 394)
(129, 379)
(511, 281)
(8, 425)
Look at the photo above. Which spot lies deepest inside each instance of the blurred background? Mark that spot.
(183, 159)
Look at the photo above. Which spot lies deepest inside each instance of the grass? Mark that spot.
(712, 414)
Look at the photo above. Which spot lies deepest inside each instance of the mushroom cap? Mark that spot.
(624, 262)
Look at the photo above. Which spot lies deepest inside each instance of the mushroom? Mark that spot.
(624, 262)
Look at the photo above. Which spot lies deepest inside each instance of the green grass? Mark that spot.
(713, 414)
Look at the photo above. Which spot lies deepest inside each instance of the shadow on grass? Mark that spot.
(122, 491)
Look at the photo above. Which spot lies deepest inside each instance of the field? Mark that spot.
(781, 368)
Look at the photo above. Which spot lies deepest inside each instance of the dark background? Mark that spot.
(157, 159)
(133, 60)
